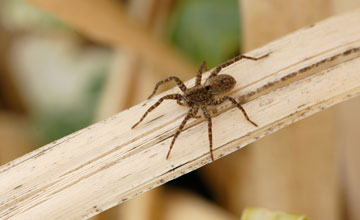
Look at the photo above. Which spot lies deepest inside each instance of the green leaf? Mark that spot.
(207, 30)
(264, 214)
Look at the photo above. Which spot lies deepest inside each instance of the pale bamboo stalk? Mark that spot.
(108, 163)
(107, 22)
(17, 136)
(182, 205)
(348, 125)
(285, 15)
(348, 121)
(312, 140)
(315, 140)
(129, 79)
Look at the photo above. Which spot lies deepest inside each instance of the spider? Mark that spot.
(202, 96)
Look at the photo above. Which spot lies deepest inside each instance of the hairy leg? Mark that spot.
(171, 96)
(231, 99)
(179, 130)
(176, 79)
(181, 103)
(202, 68)
(208, 117)
(194, 110)
(235, 59)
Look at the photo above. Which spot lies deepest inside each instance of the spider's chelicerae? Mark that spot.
(202, 96)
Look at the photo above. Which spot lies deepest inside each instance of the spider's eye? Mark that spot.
(207, 88)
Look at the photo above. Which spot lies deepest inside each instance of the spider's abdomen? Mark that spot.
(197, 94)
(220, 84)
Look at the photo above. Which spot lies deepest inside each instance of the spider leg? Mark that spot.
(235, 59)
(194, 110)
(231, 99)
(202, 68)
(176, 79)
(179, 130)
(208, 117)
(178, 101)
(171, 96)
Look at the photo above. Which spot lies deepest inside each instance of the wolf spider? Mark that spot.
(201, 96)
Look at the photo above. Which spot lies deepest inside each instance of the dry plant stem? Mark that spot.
(108, 163)
(107, 22)
(209, 94)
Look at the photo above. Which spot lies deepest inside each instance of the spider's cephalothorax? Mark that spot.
(202, 96)
(205, 95)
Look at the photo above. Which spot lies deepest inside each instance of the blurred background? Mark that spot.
(67, 64)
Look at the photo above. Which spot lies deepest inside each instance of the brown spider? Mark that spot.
(201, 96)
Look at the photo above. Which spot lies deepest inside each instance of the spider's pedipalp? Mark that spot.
(178, 81)
(171, 96)
(208, 117)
